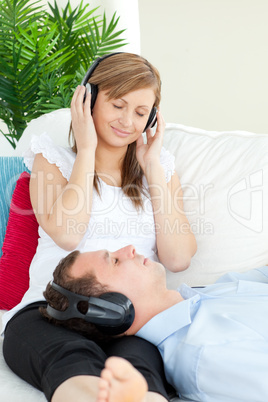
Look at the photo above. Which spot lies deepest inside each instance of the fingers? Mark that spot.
(160, 122)
(78, 96)
(149, 133)
(78, 107)
(87, 104)
(160, 128)
(82, 121)
(139, 141)
(159, 132)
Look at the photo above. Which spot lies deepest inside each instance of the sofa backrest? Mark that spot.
(225, 181)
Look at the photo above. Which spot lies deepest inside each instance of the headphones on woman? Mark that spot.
(94, 90)
(113, 313)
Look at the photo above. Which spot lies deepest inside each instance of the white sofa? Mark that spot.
(225, 180)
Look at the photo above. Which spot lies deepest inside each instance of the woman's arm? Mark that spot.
(176, 243)
(63, 208)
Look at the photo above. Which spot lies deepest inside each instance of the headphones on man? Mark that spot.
(113, 313)
(94, 90)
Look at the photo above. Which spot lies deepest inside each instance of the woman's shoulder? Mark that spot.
(62, 157)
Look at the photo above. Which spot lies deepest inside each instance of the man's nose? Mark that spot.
(127, 252)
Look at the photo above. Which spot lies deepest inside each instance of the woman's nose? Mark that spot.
(125, 119)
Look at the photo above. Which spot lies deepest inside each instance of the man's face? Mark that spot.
(122, 271)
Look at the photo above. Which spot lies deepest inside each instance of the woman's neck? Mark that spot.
(108, 164)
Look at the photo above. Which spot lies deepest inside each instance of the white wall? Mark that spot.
(213, 59)
(127, 10)
(212, 56)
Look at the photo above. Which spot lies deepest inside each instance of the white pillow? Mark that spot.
(56, 124)
(225, 181)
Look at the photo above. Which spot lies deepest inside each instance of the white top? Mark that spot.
(114, 221)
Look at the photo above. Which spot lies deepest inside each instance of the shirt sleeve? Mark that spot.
(167, 160)
(62, 157)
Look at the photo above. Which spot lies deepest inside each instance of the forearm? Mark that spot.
(71, 211)
(175, 241)
(68, 210)
(63, 208)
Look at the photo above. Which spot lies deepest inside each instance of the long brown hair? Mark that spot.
(119, 75)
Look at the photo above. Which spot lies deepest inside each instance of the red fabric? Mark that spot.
(19, 246)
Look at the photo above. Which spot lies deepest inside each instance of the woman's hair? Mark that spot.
(119, 75)
(86, 286)
(126, 72)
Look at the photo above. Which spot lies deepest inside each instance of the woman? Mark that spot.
(109, 190)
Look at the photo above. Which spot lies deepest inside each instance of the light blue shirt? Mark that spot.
(214, 344)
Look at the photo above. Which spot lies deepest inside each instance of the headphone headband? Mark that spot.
(94, 66)
(112, 312)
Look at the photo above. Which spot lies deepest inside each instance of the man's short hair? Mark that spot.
(87, 285)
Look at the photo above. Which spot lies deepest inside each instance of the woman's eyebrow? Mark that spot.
(139, 106)
(144, 107)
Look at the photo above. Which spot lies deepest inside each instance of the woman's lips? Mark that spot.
(121, 133)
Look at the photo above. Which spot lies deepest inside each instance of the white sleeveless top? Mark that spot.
(114, 221)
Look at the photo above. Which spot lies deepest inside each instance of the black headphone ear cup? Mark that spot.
(129, 313)
(152, 119)
(112, 313)
(94, 93)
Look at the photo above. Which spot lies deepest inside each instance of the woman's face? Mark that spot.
(120, 122)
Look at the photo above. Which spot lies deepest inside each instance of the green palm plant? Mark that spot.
(44, 55)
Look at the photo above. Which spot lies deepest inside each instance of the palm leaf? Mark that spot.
(43, 56)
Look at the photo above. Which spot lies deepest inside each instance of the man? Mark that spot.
(213, 341)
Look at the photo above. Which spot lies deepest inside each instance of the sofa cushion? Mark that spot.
(19, 245)
(225, 180)
(10, 168)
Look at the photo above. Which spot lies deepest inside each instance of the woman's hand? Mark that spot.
(82, 122)
(150, 152)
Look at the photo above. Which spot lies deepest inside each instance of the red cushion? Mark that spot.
(19, 245)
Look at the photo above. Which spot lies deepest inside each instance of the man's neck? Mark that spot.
(159, 302)
(168, 299)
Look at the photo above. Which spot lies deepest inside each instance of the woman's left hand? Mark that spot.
(150, 152)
